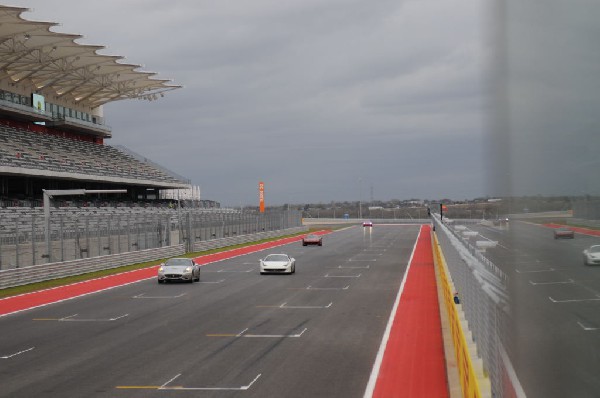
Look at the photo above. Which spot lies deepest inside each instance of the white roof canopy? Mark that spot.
(54, 62)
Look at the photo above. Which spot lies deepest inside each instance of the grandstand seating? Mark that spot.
(30, 150)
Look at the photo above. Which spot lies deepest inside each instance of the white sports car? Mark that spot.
(278, 263)
(591, 255)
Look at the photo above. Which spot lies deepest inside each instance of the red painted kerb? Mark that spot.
(413, 364)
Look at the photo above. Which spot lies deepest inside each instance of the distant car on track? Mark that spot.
(278, 263)
(591, 255)
(179, 269)
(367, 223)
(563, 233)
(312, 239)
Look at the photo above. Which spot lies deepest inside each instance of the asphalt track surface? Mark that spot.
(556, 305)
(237, 333)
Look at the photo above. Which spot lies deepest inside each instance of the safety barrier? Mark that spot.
(482, 289)
(39, 273)
(473, 382)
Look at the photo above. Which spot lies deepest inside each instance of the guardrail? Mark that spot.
(26, 275)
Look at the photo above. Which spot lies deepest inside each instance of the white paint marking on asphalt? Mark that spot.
(17, 353)
(293, 336)
(357, 267)
(241, 333)
(357, 261)
(143, 296)
(573, 300)
(342, 276)
(534, 271)
(327, 288)
(71, 319)
(586, 328)
(169, 382)
(284, 305)
(551, 283)
(250, 385)
(219, 281)
(242, 388)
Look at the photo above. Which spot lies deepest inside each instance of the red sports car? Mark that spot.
(367, 223)
(563, 233)
(312, 240)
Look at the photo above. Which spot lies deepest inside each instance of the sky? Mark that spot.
(323, 100)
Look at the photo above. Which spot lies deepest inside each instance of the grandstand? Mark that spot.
(52, 125)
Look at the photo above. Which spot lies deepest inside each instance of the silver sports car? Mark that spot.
(278, 263)
(179, 269)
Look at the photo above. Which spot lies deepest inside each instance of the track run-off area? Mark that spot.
(358, 318)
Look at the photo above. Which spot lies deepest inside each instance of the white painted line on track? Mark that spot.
(219, 281)
(169, 382)
(534, 271)
(243, 334)
(586, 328)
(573, 300)
(357, 261)
(71, 318)
(16, 353)
(143, 296)
(327, 288)
(293, 336)
(357, 267)
(552, 283)
(285, 306)
(342, 276)
(181, 388)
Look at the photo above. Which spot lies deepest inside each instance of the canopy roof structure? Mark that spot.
(55, 63)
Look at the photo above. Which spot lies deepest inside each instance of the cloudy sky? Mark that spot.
(321, 99)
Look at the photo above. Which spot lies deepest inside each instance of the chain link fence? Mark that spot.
(483, 292)
(84, 233)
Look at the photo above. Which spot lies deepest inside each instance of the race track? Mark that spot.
(237, 333)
